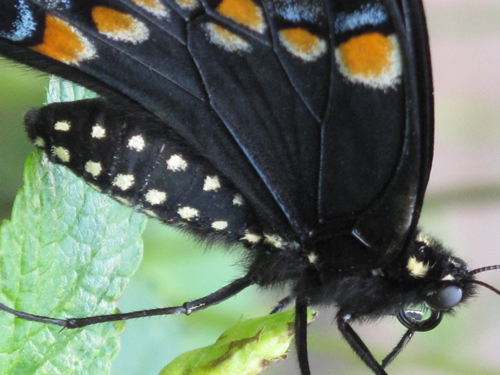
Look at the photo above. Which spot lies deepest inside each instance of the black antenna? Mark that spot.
(483, 269)
(482, 283)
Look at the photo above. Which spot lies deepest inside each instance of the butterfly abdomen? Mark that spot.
(139, 162)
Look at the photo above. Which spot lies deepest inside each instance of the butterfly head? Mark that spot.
(444, 282)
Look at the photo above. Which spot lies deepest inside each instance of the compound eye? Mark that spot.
(445, 299)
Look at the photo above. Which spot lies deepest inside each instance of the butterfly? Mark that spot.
(300, 130)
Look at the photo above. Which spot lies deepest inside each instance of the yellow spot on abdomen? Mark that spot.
(93, 167)
(302, 43)
(244, 12)
(373, 59)
(98, 132)
(188, 213)
(155, 197)
(123, 181)
(219, 225)
(62, 126)
(62, 42)
(119, 26)
(211, 183)
(253, 238)
(39, 142)
(61, 153)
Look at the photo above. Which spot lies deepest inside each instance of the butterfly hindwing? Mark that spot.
(376, 150)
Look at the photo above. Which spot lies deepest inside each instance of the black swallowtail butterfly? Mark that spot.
(300, 129)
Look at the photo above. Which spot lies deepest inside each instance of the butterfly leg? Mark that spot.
(398, 348)
(187, 308)
(301, 335)
(358, 345)
(282, 304)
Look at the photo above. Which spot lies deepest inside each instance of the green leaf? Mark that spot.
(68, 251)
(247, 348)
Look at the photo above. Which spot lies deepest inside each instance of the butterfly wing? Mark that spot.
(266, 94)
(377, 133)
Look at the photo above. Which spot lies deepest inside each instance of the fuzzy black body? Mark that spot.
(301, 130)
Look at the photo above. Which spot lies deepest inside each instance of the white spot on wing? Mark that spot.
(62, 126)
(155, 197)
(177, 163)
(136, 143)
(123, 181)
(211, 183)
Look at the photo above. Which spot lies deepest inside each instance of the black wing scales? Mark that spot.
(265, 117)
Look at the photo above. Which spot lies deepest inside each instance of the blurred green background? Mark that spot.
(462, 208)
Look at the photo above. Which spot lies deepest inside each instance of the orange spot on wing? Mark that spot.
(367, 55)
(226, 39)
(372, 59)
(119, 26)
(302, 43)
(62, 42)
(245, 12)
